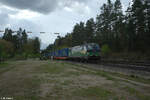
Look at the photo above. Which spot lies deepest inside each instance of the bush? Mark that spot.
(105, 50)
(19, 57)
(6, 49)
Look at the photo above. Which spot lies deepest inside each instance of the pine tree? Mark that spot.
(147, 23)
(104, 24)
(78, 34)
(8, 35)
(24, 37)
(15, 42)
(118, 26)
(68, 39)
(19, 41)
(89, 30)
(36, 45)
(139, 21)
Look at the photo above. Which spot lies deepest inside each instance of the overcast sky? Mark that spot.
(50, 16)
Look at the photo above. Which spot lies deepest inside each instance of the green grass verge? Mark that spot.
(134, 92)
(94, 93)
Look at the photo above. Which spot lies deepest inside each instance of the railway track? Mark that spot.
(134, 69)
(129, 66)
(136, 66)
(140, 63)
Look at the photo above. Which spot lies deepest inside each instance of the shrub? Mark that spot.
(6, 49)
(105, 50)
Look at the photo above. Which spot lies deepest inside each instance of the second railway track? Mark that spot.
(127, 69)
(134, 65)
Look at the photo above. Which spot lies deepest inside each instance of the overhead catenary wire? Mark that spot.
(1, 31)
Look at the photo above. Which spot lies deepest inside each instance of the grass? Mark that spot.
(96, 93)
(133, 91)
(26, 80)
(19, 91)
(109, 74)
(20, 87)
(105, 74)
(71, 74)
(133, 78)
(67, 82)
(96, 72)
(56, 69)
(93, 92)
(5, 66)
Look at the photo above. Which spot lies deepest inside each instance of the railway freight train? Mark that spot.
(89, 51)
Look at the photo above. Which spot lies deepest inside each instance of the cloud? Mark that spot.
(4, 18)
(8, 10)
(12, 18)
(77, 7)
(24, 14)
(68, 3)
(41, 6)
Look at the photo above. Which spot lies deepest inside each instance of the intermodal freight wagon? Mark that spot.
(89, 51)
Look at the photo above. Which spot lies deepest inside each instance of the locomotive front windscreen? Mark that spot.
(93, 46)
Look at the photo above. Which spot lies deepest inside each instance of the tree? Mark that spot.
(104, 24)
(147, 21)
(118, 27)
(15, 42)
(28, 47)
(139, 22)
(90, 30)
(49, 48)
(6, 49)
(78, 34)
(129, 32)
(24, 37)
(68, 39)
(19, 42)
(1, 53)
(8, 35)
(18, 45)
(36, 45)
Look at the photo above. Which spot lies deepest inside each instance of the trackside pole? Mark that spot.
(52, 57)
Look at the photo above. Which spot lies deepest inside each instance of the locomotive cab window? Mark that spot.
(93, 47)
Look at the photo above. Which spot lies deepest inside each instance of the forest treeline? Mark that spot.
(113, 29)
(18, 45)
